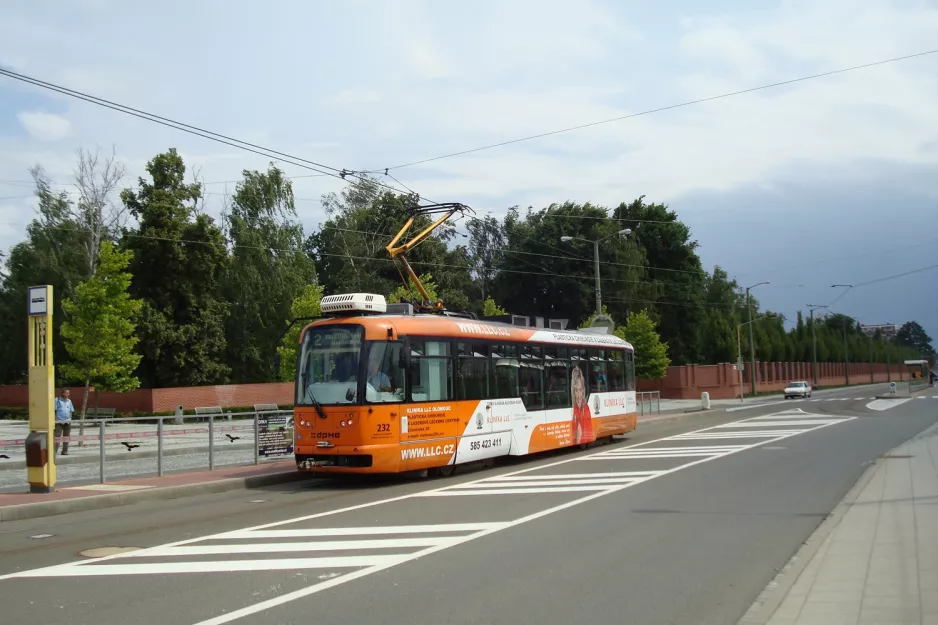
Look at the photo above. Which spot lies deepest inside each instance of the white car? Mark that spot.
(797, 389)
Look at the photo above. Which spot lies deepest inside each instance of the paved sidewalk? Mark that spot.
(879, 564)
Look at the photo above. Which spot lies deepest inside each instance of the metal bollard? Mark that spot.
(101, 459)
(159, 446)
(211, 442)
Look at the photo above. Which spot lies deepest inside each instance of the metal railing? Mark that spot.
(258, 429)
(652, 399)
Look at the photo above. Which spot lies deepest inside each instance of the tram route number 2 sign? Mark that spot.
(275, 435)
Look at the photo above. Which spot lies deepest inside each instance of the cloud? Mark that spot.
(45, 126)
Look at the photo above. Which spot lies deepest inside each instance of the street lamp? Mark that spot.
(814, 307)
(752, 345)
(739, 349)
(596, 242)
(846, 355)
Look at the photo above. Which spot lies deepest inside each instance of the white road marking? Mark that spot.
(538, 482)
(518, 490)
(885, 404)
(379, 562)
(750, 407)
(378, 530)
(321, 545)
(795, 421)
(724, 435)
(223, 566)
(572, 476)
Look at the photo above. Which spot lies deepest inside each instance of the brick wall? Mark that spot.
(723, 381)
(166, 399)
(687, 382)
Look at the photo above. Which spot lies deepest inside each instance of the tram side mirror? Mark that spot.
(405, 354)
(350, 395)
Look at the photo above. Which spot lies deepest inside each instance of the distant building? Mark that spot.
(887, 330)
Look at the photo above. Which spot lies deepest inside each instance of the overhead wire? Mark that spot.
(664, 108)
(195, 130)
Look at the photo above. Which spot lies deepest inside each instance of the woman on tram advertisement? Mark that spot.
(582, 421)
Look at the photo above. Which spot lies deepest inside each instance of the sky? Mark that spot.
(820, 182)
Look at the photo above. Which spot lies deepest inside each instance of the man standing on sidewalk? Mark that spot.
(63, 419)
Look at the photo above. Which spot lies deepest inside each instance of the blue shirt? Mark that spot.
(63, 410)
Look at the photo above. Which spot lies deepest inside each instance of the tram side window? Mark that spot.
(532, 378)
(472, 371)
(616, 370)
(505, 371)
(630, 371)
(557, 373)
(384, 379)
(598, 378)
(431, 371)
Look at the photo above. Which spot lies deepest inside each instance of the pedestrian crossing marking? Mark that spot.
(358, 531)
(342, 554)
(239, 542)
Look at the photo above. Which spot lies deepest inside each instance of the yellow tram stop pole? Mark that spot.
(40, 443)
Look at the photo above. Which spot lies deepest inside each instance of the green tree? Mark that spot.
(541, 275)
(53, 253)
(651, 354)
(99, 334)
(491, 309)
(350, 247)
(306, 304)
(268, 270)
(913, 336)
(180, 257)
(410, 292)
(486, 244)
(673, 264)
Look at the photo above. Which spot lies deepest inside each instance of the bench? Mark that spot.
(210, 410)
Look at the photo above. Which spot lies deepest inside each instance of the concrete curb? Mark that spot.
(112, 500)
(134, 455)
(769, 600)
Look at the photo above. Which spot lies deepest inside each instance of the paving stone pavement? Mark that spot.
(880, 563)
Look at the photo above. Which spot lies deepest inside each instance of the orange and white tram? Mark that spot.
(383, 392)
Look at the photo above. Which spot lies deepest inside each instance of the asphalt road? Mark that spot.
(684, 530)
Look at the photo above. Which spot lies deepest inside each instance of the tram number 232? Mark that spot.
(485, 443)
